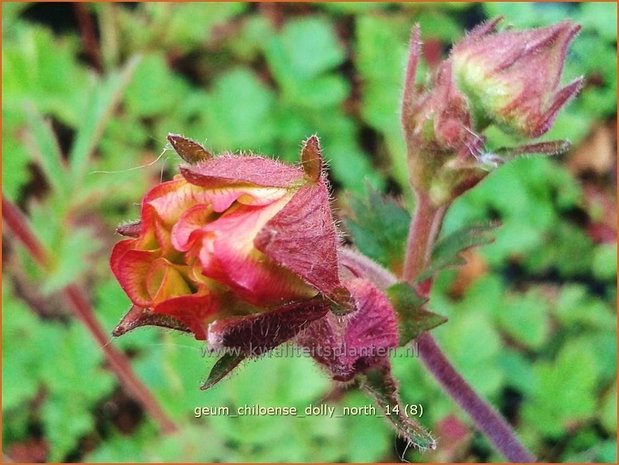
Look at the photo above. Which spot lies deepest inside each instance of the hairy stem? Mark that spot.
(425, 226)
(118, 362)
(424, 229)
(487, 419)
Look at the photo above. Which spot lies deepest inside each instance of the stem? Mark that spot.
(117, 360)
(424, 229)
(487, 419)
(88, 34)
(425, 226)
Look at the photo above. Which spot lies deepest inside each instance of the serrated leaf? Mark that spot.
(413, 319)
(565, 390)
(190, 25)
(14, 166)
(67, 415)
(154, 89)
(379, 227)
(98, 111)
(222, 367)
(20, 328)
(447, 250)
(45, 149)
(40, 67)
(230, 127)
(304, 49)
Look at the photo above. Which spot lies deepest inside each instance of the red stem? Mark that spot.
(487, 419)
(425, 226)
(424, 229)
(118, 362)
(88, 34)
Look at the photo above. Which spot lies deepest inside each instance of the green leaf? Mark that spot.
(304, 49)
(609, 410)
(517, 369)
(447, 250)
(99, 110)
(190, 25)
(46, 151)
(72, 357)
(565, 390)
(70, 259)
(238, 113)
(604, 264)
(222, 367)
(15, 161)
(473, 345)
(11, 12)
(353, 7)
(575, 307)
(20, 328)
(413, 319)
(368, 436)
(379, 227)
(439, 25)
(154, 89)
(382, 76)
(525, 318)
(40, 67)
(601, 18)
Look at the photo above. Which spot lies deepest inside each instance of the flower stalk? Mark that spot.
(425, 227)
(486, 80)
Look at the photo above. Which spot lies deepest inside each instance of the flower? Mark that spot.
(512, 78)
(229, 237)
(439, 131)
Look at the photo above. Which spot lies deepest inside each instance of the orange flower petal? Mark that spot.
(164, 281)
(131, 271)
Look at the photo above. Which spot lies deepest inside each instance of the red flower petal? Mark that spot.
(302, 238)
(131, 268)
(189, 227)
(256, 279)
(170, 199)
(194, 311)
(119, 250)
(228, 255)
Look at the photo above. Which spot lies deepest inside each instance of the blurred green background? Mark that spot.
(91, 90)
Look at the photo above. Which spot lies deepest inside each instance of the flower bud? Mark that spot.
(512, 78)
(439, 133)
(508, 78)
(352, 344)
(230, 237)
